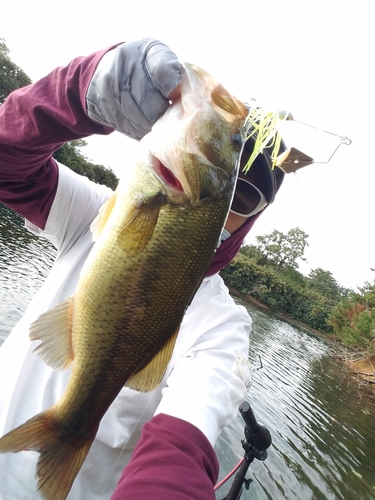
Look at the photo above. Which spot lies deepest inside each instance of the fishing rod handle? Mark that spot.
(256, 434)
(248, 416)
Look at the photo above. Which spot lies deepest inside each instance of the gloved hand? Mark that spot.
(132, 85)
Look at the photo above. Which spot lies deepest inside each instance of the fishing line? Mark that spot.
(127, 441)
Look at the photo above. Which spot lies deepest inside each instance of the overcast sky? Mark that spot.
(314, 58)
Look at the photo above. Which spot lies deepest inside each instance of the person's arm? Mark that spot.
(173, 460)
(74, 102)
(34, 122)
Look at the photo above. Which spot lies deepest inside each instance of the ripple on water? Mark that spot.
(323, 440)
(25, 261)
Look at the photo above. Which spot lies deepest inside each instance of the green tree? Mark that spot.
(282, 290)
(253, 253)
(367, 293)
(324, 283)
(294, 276)
(70, 156)
(11, 76)
(284, 249)
(353, 318)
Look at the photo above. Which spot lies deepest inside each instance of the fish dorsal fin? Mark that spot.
(139, 223)
(101, 219)
(54, 329)
(150, 376)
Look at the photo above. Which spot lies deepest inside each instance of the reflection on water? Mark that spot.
(323, 434)
(24, 263)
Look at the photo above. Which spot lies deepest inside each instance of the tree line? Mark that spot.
(268, 271)
(13, 77)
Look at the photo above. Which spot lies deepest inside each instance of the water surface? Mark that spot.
(25, 261)
(322, 425)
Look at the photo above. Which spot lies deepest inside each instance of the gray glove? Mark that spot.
(130, 87)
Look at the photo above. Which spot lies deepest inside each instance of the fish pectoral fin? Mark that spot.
(60, 459)
(54, 329)
(149, 377)
(139, 224)
(101, 219)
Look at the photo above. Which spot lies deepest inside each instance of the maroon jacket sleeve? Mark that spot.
(34, 122)
(173, 460)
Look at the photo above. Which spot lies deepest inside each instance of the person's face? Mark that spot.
(235, 221)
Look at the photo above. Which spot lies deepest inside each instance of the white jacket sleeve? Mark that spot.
(209, 371)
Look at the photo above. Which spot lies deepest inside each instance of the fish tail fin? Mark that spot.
(60, 459)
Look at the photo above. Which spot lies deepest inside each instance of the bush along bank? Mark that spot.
(279, 293)
(316, 300)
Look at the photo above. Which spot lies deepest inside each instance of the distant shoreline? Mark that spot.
(260, 305)
(361, 366)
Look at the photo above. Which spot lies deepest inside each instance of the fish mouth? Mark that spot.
(166, 176)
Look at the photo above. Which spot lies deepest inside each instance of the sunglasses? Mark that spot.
(247, 200)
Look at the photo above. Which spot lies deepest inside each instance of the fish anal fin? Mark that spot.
(54, 329)
(60, 459)
(149, 377)
(138, 226)
(102, 218)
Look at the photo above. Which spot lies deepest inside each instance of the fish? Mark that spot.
(154, 240)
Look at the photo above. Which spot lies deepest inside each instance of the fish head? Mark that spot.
(195, 146)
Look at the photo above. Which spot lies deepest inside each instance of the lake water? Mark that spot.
(322, 425)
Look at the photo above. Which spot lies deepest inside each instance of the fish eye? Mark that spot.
(237, 140)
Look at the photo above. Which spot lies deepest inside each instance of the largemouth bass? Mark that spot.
(155, 239)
